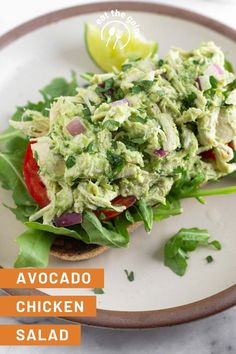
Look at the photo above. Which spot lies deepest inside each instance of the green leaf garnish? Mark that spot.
(186, 240)
(130, 275)
(98, 291)
(209, 259)
(228, 66)
(189, 101)
(139, 86)
(71, 161)
(34, 249)
(146, 213)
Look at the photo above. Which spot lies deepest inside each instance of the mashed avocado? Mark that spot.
(134, 132)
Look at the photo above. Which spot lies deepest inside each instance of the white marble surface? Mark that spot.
(214, 335)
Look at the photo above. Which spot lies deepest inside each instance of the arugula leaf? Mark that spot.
(198, 193)
(100, 235)
(171, 208)
(9, 134)
(185, 185)
(56, 230)
(98, 291)
(121, 224)
(146, 214)
(129, 216)
(186, 240)
(23, 212)
(34, 249)
(11, 177)
(60, 87)
(130, 275)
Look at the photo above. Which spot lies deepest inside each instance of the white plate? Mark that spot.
(53, 50)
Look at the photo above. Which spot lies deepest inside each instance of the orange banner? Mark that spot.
(47, 306)
(52, 278)
(58, 335)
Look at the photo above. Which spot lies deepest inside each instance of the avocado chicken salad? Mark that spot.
(126, 147)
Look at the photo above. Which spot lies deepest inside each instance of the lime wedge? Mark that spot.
(110, 47)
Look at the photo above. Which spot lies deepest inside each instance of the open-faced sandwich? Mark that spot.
(89, 164)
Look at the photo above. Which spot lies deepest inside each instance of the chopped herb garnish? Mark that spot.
(101, 216)
(213, 82)
(109, 91)
(189, 101)
(89, 148)
(228, 66)
(98, 291)
(87, 113)
(138, 119)
(71, 161)
(161, 62)
(116, 162)
(140, 86)
(111, 125)
(209, 259)
(130, 275)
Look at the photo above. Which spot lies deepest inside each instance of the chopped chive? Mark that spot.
(130, 275)
(98, 291)
(209, 259)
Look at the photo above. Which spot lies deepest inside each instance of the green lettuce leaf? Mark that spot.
(34, 249)
(146, 214)
(90, 231)
(171, 208)
(60, 87)
(54, 230)
(100, 235)
(11, 177)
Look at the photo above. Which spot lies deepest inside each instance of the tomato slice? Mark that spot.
(208, 155)
(33, 182)
(109, 214)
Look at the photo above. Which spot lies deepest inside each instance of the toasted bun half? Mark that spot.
(70, 249)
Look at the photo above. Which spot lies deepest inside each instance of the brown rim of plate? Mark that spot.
(135, 319)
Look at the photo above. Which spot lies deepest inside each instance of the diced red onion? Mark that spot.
(120, 102)
(68, 219)
(218, 69)
(198, 81)
(75, 126)
(215, 70)
(160, 152)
